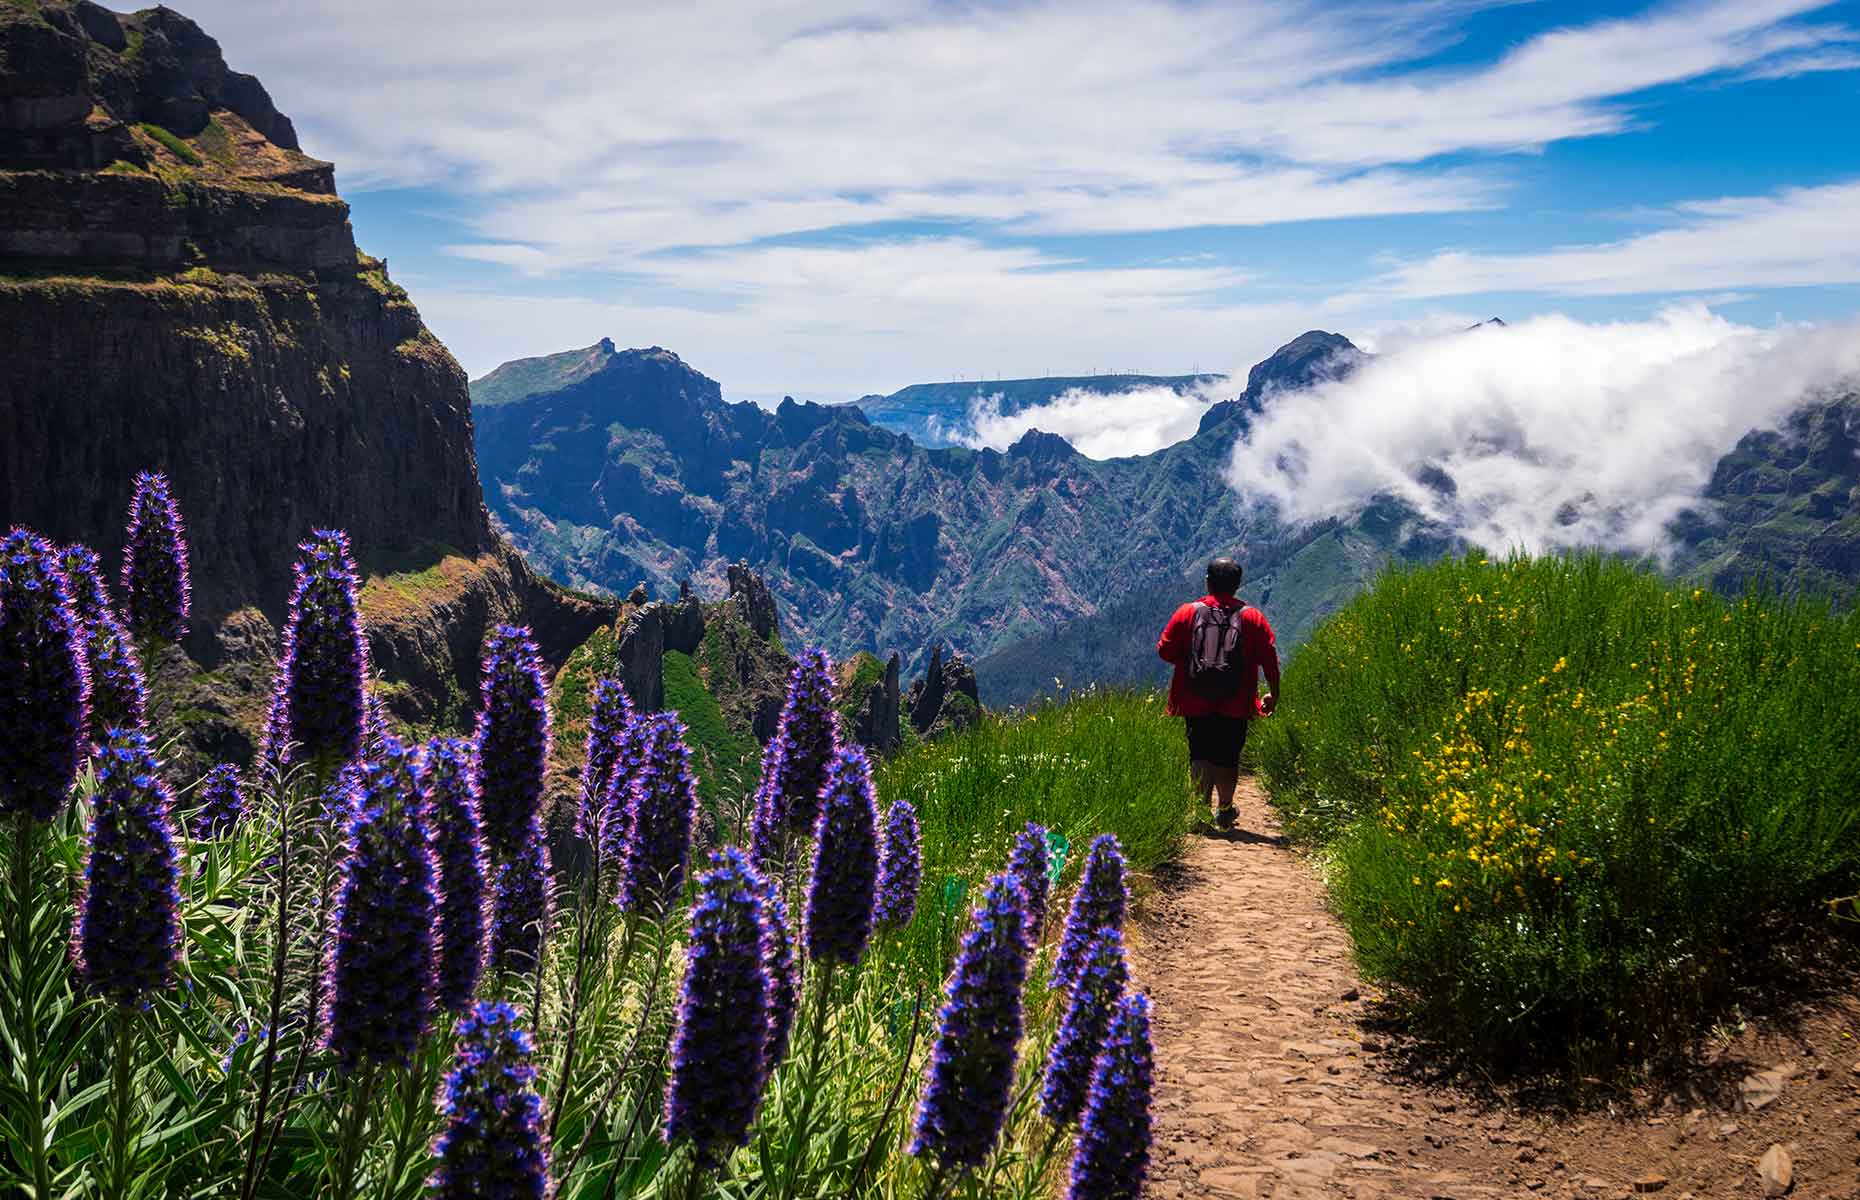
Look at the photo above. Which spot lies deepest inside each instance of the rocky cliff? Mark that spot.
(180, 290)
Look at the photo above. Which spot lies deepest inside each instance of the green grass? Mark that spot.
(725, 761)
(173, 144)
(1570, 810)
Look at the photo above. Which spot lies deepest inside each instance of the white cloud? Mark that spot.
(1098, 424)
(1535, 421)
(1796, 237)
(591, 136)
(875, 316)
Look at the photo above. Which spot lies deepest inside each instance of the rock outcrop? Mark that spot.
(946, 698)
(181, 291)
(871, 703)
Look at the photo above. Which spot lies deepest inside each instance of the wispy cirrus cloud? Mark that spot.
(1795, 237)
(596, 135)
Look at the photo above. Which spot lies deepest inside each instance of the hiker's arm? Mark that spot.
(1267, 654)
(1175, 633)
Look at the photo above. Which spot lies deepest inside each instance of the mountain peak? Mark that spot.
(1313, 357)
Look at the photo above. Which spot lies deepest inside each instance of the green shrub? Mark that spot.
(1566, 802)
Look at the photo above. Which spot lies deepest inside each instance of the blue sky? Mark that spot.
(829, 199)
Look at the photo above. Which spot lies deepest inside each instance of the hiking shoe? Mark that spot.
(1224, 818)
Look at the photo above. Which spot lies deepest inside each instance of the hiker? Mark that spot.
(1218, 646)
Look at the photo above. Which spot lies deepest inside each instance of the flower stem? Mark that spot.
(810, 1079)
(27, 1024)
(355, 1124)
(282, 937)
(121, 1159)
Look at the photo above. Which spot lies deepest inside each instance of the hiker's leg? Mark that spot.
(1206, 778)
(1226, 779)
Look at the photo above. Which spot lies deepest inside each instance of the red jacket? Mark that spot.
(1257, 653)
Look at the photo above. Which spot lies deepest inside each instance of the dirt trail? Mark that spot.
(1268, 1084)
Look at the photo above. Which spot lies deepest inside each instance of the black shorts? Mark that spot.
(1216, 740)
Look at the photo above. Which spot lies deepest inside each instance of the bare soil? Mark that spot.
(1279, 1075)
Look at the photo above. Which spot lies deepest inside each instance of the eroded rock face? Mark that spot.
(946, 698)
(193, 302)
(753, 597)
(874, 722)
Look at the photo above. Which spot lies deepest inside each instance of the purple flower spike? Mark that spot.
(381, 976)
(458, 853)
(493, 1144)
(374, 717)
(513, 739)
(1099, 904)
(156, 591)
(606, 731)
(663, 801)
(274, 744)
(778, 962)
(972, 1066)
(845, 878)
(1069, 1066)
(118, 692)
(900, 868)
(1113, 1152)
(794, 765)
(615, 817)
(222, 802)
(322, 701)
(719, 1041)
(127, 928)
(1027, 863)
(521, 904)
(44, 680)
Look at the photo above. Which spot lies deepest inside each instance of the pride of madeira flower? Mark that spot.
(451, 782)
(607, 724)
(513, 739)
(157, 591)
(320, 707)
(845, 874)
(1027, 863)
(1099, 904)
(1113, 1150)
(381, 978)
(44, 680)
(1095, 994)
(965, 1100)
(221, 802)
(522, 901)
(662, 800)
(794, 766)
(493, 1143)
(900, 867)
(118, 692)
(127, 926)
(719, 1042)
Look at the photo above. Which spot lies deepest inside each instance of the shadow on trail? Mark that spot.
(1788, 977)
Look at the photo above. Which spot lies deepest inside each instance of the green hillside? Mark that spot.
(1569, 809)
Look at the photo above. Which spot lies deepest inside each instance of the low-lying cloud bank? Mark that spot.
(1549, 433)
(1099, 424)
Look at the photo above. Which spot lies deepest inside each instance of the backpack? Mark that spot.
(1214, 657)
